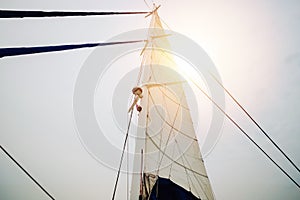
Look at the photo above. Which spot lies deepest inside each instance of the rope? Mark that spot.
(127, 171)
(189, 165)
(169, 135)
(244, 132)
(174, 161)
(184, 157)
(170, 125)
(121, 160)
(17, 51)
(40, 14)
(251, 118)
(165, 94)
(179, 104)
(160, 115)
(146, 4)
(255, 124)
(27, 173)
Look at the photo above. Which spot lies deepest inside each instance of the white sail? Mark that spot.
(166, 133)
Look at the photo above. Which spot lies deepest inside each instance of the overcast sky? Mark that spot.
(255, 45)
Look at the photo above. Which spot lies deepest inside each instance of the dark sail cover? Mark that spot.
(165, 189)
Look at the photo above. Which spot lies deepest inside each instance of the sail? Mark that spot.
(165, 129)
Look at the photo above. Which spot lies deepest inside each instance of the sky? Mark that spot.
(254, 44)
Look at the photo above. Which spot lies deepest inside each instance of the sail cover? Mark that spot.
(172, 157)
(167, 190)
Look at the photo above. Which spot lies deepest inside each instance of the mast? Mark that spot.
(171, 157)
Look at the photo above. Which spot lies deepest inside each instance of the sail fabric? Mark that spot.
(165, 125)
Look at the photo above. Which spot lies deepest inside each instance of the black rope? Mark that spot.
(17, 51)
(27, 173)
(251, 118)
(244, 132)
(39, 14)
(122, 155)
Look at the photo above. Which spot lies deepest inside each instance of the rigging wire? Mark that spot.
(141, 65)
(244, 132)
(122, 155)
(170, 91)
(147, 4)
(160, 115)
(170, 125)
(127, 172)
(189, 165)
(17, 51)
(257, 126)
(40, 14)
(252, 119)
(179, 105)
(163, 152)
(170, 132)
(253, 122)
(184, 158)
(173, 160)
(170, 171)
(27, 173)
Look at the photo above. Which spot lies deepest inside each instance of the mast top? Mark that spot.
(154, 10)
